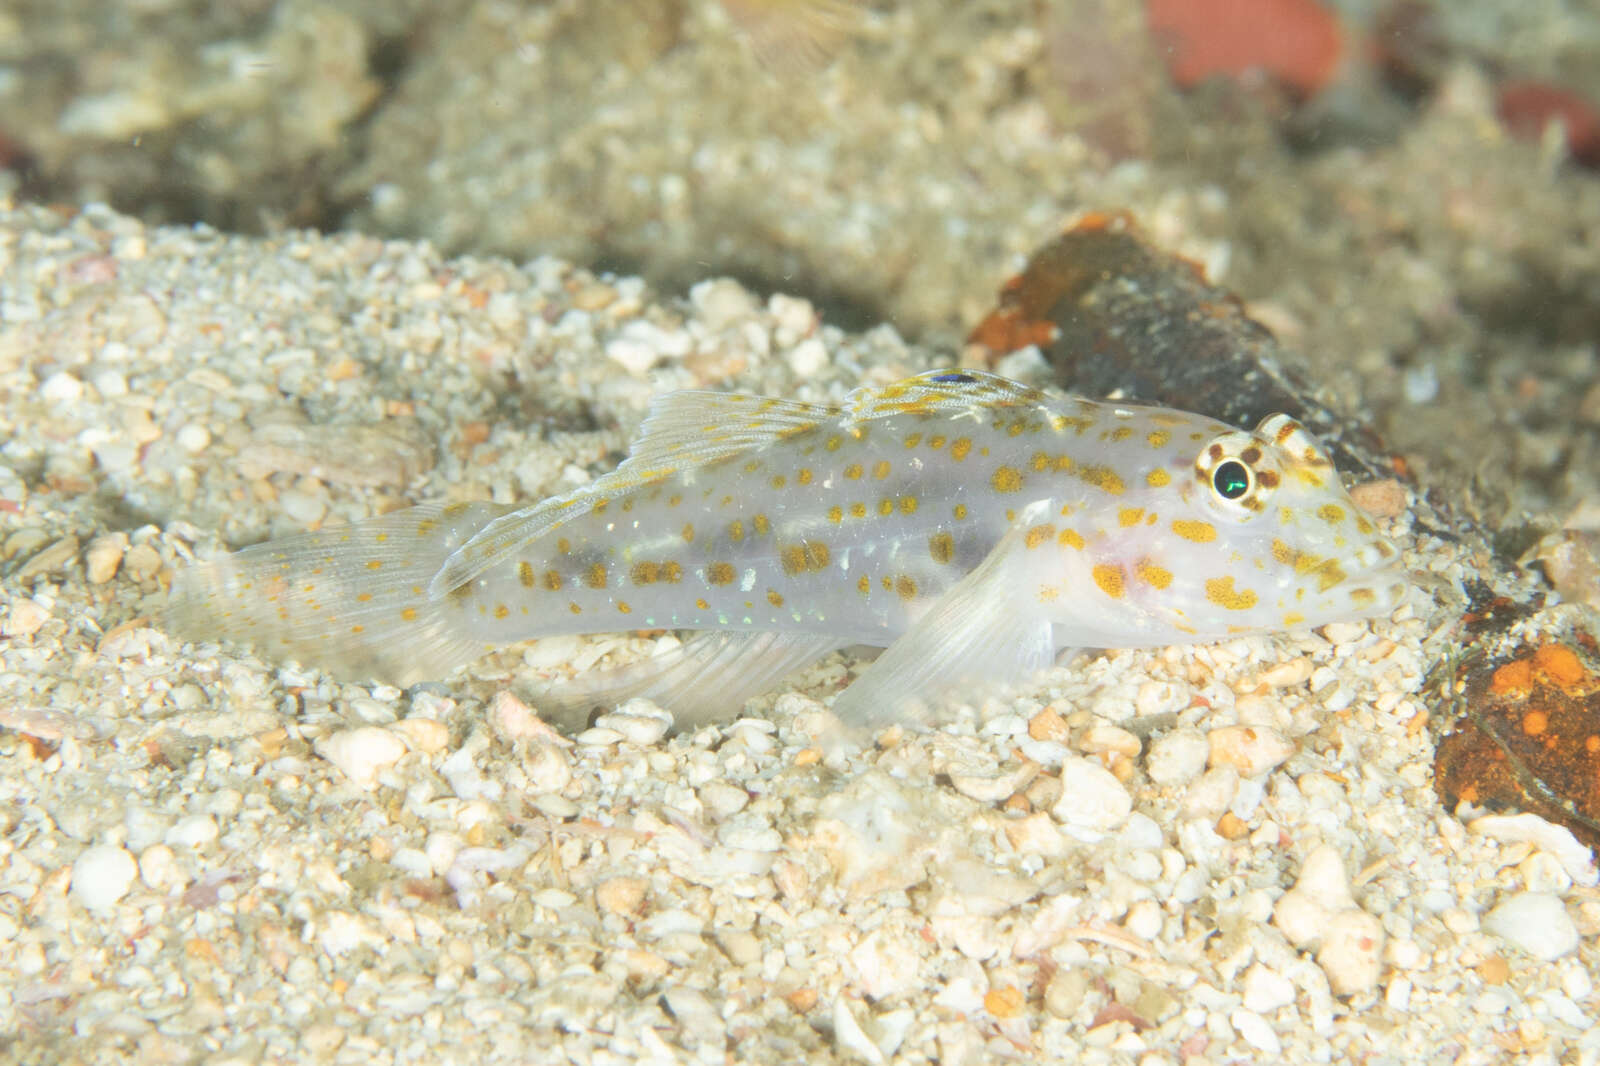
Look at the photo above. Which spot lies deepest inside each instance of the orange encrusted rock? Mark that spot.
(1525, 735)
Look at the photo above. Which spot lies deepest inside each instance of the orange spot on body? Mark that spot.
(1104, 478)
(1006, 479)
(1221, 591)
(1154, 576)
(1109, 578)
(1197, 531)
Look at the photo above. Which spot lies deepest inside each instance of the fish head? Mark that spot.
(1235, 532)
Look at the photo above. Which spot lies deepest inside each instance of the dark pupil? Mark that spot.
(1231, 479)
(960, 379)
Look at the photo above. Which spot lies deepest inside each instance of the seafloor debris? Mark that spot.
(1527, 107)
(1570, 556)
(1297, 43)
(1119, 317)
(1525, 735)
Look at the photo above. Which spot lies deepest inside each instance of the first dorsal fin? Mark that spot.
(683, 430)
(939, 392)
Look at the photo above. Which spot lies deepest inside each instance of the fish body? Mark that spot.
(971, 525)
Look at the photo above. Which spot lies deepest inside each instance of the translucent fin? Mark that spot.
(683, 430)
(979, 633)
(950, 392)
(352, 600)
(692, 428)
(710, 677)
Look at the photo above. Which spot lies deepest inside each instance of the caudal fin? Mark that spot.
(352, 600)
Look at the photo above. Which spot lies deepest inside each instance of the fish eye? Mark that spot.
(954, 377)
(1231, 479)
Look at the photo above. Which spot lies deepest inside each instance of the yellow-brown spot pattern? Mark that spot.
(1195, 530)
(1006, 479)
(1110, 579)
(1221, 591)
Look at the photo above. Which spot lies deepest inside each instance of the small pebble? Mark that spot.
(305, 508)
(1093, 802)
(194, 831)
(1211, 793)
(635, 353)
(1385, 498)
(1144, 919)
(1534, 922)
(795, 317)
(362, 754)
(594, 296)
(61, 388)
(25, 618)
(1286, 675)
(110, 383)
(426, 735)
(193, 438)
(512, 719)
(1339, 633)
(1351, 953)
(808, 358)
(48, 560)
(159, 869)
(1322, 889)
(1177, 758)
(102, 875)
(1266, 990)
(1109, 739)
(722, 799)
(104, 556)
(1049, 725)
(142, 562)
(1161, 697)
(1256, 1032)
(1250, 749)
(547, 767)
(598, 737)
(638, 721)
(722, 302)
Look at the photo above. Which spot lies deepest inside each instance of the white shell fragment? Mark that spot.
(1251, 750)
(1093, 802)
(102, 875)
(638, 721)
(1321, 913)
(362, 754)
(1534, 922)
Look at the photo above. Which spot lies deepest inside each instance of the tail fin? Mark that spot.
(352, 600)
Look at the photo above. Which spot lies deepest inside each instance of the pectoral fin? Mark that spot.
(710, 677)
(987, 628)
